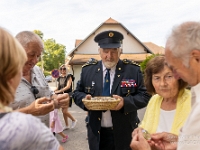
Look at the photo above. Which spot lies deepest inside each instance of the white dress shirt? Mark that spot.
(106, 120)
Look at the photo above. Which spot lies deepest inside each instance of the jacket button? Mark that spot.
(99, 118)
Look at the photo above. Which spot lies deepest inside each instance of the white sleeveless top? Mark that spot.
(166, 120)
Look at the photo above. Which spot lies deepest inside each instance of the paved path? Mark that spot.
(77, 136)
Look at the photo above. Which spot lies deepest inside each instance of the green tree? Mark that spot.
(39, 33)
(40, 62)
(54, 54)
(144, 62)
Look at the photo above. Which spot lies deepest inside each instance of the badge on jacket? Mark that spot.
(128, 83)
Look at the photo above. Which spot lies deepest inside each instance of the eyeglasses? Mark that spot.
(62, 68)
(34, 91)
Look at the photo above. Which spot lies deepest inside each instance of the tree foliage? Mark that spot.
(39, 33)
(144, 62)
(53, 55)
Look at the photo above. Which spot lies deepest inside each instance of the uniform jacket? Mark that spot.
(124, 120)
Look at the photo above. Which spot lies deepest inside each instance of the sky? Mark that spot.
(68, 20)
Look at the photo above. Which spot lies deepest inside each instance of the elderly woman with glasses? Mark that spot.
(65, 86)
(170, 104)
(33, 90)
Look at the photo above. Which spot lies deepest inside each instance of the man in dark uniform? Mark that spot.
(111, 129)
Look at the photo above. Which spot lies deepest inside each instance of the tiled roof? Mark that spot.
(77, 42)
(80, 59)
(155, 48)
(110, 20)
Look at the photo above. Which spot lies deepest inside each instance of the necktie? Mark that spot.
(106, 87)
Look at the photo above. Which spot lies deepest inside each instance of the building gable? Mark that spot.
(131, 44)
(132, 47)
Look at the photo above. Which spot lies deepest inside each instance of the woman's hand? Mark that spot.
(135, 131)
(57, 91)
(138, 141)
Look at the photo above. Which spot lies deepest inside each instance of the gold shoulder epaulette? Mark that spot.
(135, 63)
(91, 61)
(126, 61)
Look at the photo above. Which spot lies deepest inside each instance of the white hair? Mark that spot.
(26, 37)
(183, 39)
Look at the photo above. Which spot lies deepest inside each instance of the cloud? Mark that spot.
(66, 21)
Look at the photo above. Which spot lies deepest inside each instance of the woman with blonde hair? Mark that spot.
(18, 130)
(65, 86)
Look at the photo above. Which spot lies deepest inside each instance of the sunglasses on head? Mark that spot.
(62, 68)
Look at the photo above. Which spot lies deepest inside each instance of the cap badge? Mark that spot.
(111, 34)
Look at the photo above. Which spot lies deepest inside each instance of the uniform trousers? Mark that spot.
(106, 139)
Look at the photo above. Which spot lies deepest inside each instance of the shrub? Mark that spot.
(144, 62)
